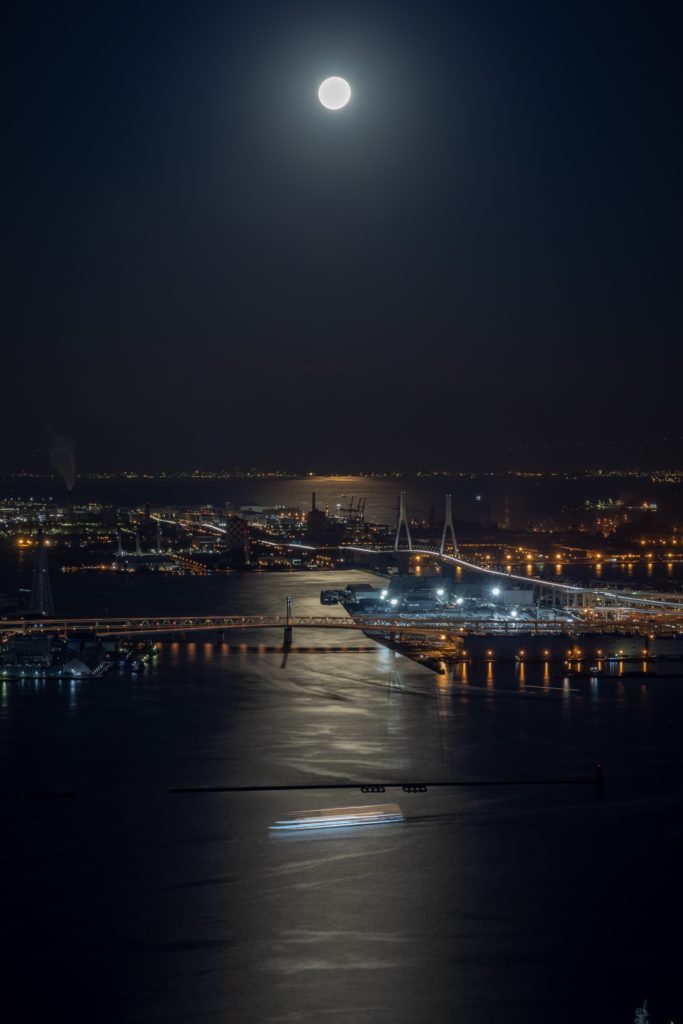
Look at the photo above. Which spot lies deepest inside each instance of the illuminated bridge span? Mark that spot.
(566, 594)
(561, 595)
(150, 624)
(438, 628)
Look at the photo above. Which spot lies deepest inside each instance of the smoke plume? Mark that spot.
(62, 456)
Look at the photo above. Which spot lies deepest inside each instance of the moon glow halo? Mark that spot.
(334, 93)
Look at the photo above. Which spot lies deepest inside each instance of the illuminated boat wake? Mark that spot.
(341, 817)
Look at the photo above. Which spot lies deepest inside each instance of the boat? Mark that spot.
(341, 817)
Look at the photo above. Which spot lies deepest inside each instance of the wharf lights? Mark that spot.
(440, 592)
(459, 600)
(384, 595)
(393, 602)
(496, 591)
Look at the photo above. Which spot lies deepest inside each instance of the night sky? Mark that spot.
(477, 262)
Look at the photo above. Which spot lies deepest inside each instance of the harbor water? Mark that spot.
(126, 903)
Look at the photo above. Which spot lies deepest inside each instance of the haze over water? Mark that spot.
(486, 904)
(475, 498)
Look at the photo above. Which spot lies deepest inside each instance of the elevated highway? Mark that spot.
(442, 627)
(563, 595)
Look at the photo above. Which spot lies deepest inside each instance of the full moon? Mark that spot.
(334, 93)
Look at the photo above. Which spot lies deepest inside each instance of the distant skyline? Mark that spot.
(591, 458)
(476, 263)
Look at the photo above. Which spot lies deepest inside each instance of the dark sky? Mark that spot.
(478, 257)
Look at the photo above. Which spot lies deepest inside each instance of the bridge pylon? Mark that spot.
(448, 525)
(287, 640)
(402, 521)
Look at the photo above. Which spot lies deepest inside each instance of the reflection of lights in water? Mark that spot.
(443, 689)
(4, 692)
(521, 672)
(72, 694)
(489, 673)
(546, 673)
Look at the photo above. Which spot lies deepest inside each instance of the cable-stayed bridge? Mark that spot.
(557, 594)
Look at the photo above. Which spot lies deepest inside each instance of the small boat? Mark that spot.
(341, 817)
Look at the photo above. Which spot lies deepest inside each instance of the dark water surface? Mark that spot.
(127, 904)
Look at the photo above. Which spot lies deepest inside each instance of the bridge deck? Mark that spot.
(443, 627)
